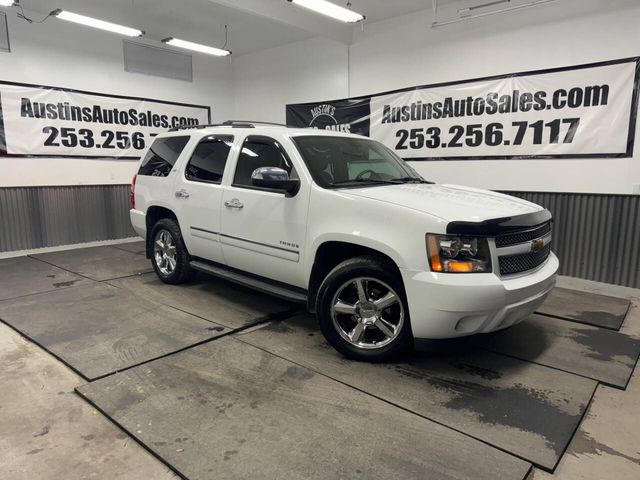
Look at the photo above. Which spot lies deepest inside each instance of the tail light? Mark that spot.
(133, 192)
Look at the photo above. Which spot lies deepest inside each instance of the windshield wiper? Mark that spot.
(410, 180)
(364, 180)
(376, 181)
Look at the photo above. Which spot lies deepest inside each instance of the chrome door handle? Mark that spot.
(234, 203)
(182, 194)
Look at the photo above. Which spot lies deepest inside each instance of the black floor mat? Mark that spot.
(227, 410)
(604, 355)
(99, 329)
(98, 263)
(526, 409)
(138, 247)
(585, 307)
(21, 276)
(208, 297)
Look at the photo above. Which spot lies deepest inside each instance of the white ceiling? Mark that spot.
(253, 24)
(376, 10)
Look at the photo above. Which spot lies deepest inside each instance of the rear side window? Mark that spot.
(259, 152)
(162, 156)
(208, 159)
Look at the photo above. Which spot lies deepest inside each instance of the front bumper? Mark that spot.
(445, 305)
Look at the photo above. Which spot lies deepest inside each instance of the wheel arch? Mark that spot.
(155, 213)
(331, 253)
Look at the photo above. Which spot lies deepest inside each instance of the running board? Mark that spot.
(250, 281)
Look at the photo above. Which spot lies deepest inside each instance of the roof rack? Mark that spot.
(252, 123)
(228, 123)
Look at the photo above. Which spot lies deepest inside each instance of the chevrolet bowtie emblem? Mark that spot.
(537, 245)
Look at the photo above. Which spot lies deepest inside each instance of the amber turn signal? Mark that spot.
(434, 253)
(459, 267)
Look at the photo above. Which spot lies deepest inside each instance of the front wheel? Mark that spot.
(362, 309)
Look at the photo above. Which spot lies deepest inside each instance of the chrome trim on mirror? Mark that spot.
(270, 173)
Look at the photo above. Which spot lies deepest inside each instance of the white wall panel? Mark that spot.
(303, 71)
(405, 51)
(65, 55)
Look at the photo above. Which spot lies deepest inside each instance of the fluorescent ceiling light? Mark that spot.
(466, 12)
(95, 23)
(464, 16)
(196, 47)
(331, 10)
(6, 3)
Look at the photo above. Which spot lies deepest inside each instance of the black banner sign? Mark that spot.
(584, 111)
(348, 116)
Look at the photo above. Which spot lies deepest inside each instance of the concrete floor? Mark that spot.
(607, 444)
(47, 431)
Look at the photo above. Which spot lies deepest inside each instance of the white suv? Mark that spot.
(339, 222)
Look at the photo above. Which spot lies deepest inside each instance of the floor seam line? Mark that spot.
(573, 434)
(130, 434)
(89, 278)
(62, 268)
(254, 321)
(45, 349)
(388, 402)
(139, 274)
(573, 320)
(602, 382)
(267, 319)
(124, 249)
(58, 289)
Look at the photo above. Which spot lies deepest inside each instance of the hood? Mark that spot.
(448, 202)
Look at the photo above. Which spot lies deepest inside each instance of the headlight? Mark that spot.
(452, 254)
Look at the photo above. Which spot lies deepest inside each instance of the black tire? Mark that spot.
(182, 272)
(379, 270)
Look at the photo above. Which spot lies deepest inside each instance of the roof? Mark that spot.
(254, 127)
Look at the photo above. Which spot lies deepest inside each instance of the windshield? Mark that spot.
(336, 162)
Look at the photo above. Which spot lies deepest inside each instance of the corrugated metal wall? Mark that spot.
(35, 217)
(596, 237)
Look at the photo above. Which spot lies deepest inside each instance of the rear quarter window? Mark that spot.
(162, 155)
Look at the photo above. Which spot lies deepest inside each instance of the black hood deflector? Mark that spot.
(498, 226)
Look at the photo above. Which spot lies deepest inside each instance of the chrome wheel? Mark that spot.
(164, 252)
(367, 313)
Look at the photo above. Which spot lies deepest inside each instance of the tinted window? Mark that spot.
(260, 152)
(208, 159)
(342, 161)
(162, 156)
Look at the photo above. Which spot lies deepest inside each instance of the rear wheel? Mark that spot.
(362, 309)
(170, 258)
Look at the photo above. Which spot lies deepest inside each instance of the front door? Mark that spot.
(263, 231)
(199, 196)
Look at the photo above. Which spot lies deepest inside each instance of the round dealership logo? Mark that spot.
(322, 116)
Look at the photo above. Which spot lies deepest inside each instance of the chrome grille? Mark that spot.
(510, 264)
(508, 239)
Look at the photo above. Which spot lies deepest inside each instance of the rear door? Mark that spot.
(198, 196)
(155, 177)
(263, 230)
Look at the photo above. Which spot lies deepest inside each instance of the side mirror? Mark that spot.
(276, 178)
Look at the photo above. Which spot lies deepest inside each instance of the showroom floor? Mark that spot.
(105, 367)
